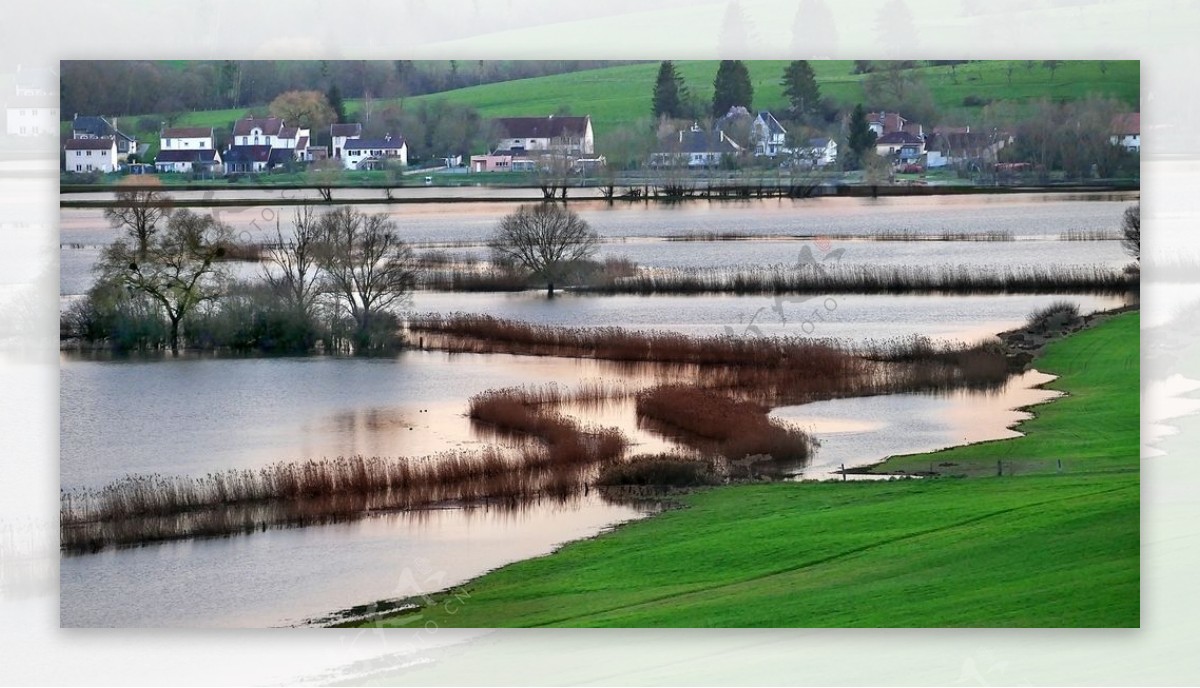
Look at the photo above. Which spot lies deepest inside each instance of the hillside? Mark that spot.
(620, 96)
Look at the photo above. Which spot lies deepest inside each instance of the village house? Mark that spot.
(256, 131)
(884, 123)
(1127, 131)
(821, 151)
(247, 158)
(94, 127)
(91, 155)
(900, 146)
(950, 145)
(695, 147)
(33, 109)
(553, 134)
(294, 139)
(187, 149)
(369, 154)
(341, 133)
(768, 135)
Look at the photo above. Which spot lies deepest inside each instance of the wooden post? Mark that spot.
(999, 469)
(1060, 465)
(843, 472)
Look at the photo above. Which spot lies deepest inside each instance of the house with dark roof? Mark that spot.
(1127, 131)
(820, 151)
(91, 155)
(95, 127)
(552, 134)
(194, 160)
(768, 135)
(900, 146)
(370, 154)
(247, 158)
(341, 132)
(884, 123)
(695, 147)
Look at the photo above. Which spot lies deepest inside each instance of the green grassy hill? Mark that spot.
(1045, 550)
(617, 96)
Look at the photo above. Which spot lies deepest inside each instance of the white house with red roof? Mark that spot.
(91, 155)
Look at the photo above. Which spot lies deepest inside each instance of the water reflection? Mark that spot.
(865, 430)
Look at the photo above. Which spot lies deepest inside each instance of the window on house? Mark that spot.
(89, 154)
(79, 168)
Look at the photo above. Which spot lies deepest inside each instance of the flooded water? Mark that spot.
(292, 576)
(197, 414)
(866, 430)
(853, 317)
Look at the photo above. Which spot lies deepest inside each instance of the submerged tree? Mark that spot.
(546, 239)
(1131, 231)
(178, 268)
(291, 271)
(368, 266)
(137, 212)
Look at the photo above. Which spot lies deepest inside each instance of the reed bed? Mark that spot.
(466, 278)
(911, 235)
(873, 279)
(661, 470)
(475, 333)
(1089, 235)
(738, 428)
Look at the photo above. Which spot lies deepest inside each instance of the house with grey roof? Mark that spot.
(369, 154)
(96, 127)
(769, 136)
(695, 147)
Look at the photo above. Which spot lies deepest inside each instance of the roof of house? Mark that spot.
(345, 129)
(1128, 123)
(302, 143)
(543, 127)
(91, 144)
(901, 137)
(820, 142)
(281, 155)
(96, 127)
(891, 121)
(187, 133)
(772, 124)
(247, 154)
(389, 142)
(696, 140)
(198, 155)
(270, 126)
(288, 132)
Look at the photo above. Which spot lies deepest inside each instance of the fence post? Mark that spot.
(999, 468)
(1060, 465)
(843, 472)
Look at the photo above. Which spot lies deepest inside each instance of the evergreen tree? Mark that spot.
(861, 138)
(334, 96)
(800, 86)
(670, 93)
(731, 87)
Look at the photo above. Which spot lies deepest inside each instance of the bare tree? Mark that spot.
(1131, 231)
(138, 212)
(368, 266)
(295, 276)
(177, 269)
(545, 238)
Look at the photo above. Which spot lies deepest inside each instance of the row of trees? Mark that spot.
(335, 280)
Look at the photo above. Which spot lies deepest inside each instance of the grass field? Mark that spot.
(1036, 550)
(618, 96)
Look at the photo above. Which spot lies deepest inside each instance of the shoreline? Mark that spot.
(1015, 343)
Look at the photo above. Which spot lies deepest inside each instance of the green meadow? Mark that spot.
(1031, 550)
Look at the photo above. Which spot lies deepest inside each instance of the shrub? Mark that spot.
(659, 470)
(1057, 315)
